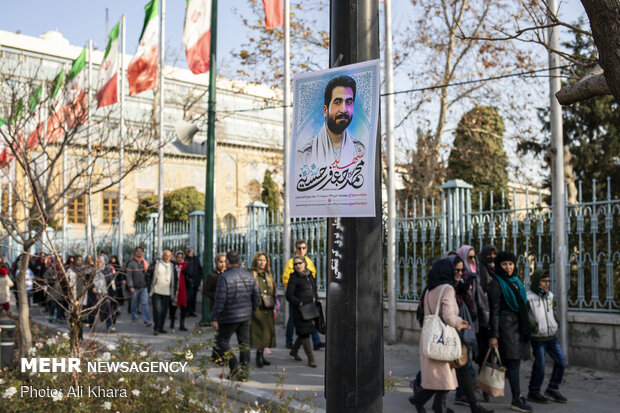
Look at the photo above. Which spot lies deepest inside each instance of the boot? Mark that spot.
(262, 357)
(295, 349)
(259, 359)
(307, 344)
(478, 408)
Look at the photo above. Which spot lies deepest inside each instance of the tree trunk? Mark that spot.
(24, 310)
(604, 18)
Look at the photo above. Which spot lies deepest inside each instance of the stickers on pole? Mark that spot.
(332, 159)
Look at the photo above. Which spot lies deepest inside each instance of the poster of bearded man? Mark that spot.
(335, 123)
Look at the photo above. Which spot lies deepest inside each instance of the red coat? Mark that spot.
(181, 295)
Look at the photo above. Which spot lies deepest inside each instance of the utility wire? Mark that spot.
(420, 89)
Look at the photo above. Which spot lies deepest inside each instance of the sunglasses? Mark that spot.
(471, 257)
(457, 271)
(298, 263)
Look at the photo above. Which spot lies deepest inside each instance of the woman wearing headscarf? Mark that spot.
(467, 309)
(300, 290)
(185, 286)
(487, 265)
(486, 269)
(262, 327)
(509, 326)
(210, 284)
(120, 279)
(437, 376)
(480, 312)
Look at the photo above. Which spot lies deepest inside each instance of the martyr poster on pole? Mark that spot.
(335, 122)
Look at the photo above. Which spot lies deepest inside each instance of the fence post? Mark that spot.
(196, 229)
(257, 213)
(151, 239)
(455, 195)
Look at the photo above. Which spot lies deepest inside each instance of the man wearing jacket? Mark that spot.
(544, 340)
(236, 298)
(164, 289)
(137, 285)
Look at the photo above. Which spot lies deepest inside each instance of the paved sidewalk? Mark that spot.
(588, 390)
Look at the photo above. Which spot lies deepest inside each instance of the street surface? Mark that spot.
(588, 390)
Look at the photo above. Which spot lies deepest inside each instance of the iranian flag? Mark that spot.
(197, 35)
(142, 70)
(34, 114)
(75, 92)
(54, 128)
(107, 94)
(274, 13)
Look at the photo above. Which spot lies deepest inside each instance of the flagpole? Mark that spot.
(391, 190)
(286, 234)
(121, 155)
(89, 149)
(160, 157)
(209, 233)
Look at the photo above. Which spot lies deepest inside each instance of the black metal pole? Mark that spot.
(354, 359)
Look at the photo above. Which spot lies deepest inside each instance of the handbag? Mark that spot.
(309, 311)
(439, 340)
(268, 301)
(461, 361)
(321, 327)
(492, 377)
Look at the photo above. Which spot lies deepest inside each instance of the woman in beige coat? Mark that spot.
(437, 376)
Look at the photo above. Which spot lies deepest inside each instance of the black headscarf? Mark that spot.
(442, 272)
(486, 251)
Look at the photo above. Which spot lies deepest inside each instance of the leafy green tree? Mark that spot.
(591, 131)
(478, 155)
(269, 194)
(178, 204)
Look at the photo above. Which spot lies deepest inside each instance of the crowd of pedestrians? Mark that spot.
(486, 302)
(242, 303)
(103, 286)
(482, 298)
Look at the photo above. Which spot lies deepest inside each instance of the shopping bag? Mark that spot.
(492, 376)
(440, 341)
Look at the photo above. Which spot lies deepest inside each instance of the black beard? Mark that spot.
(337, 128)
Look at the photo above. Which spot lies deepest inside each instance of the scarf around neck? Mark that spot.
(324, 153)
(508, 290)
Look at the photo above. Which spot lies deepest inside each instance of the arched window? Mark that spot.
(254, 189)
(230, 222)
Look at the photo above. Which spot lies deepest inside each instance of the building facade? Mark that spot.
(248, 135)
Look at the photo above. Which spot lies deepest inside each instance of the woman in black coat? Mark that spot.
(301, 289)
(509, 324)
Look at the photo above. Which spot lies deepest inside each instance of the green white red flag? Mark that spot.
(54, 129)
(75, 92)
(142, 70)
(274, 13)
(197, 35)
(107, 91)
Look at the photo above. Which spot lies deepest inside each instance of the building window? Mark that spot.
(109, 208)
(76, 210)
(254, 190)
